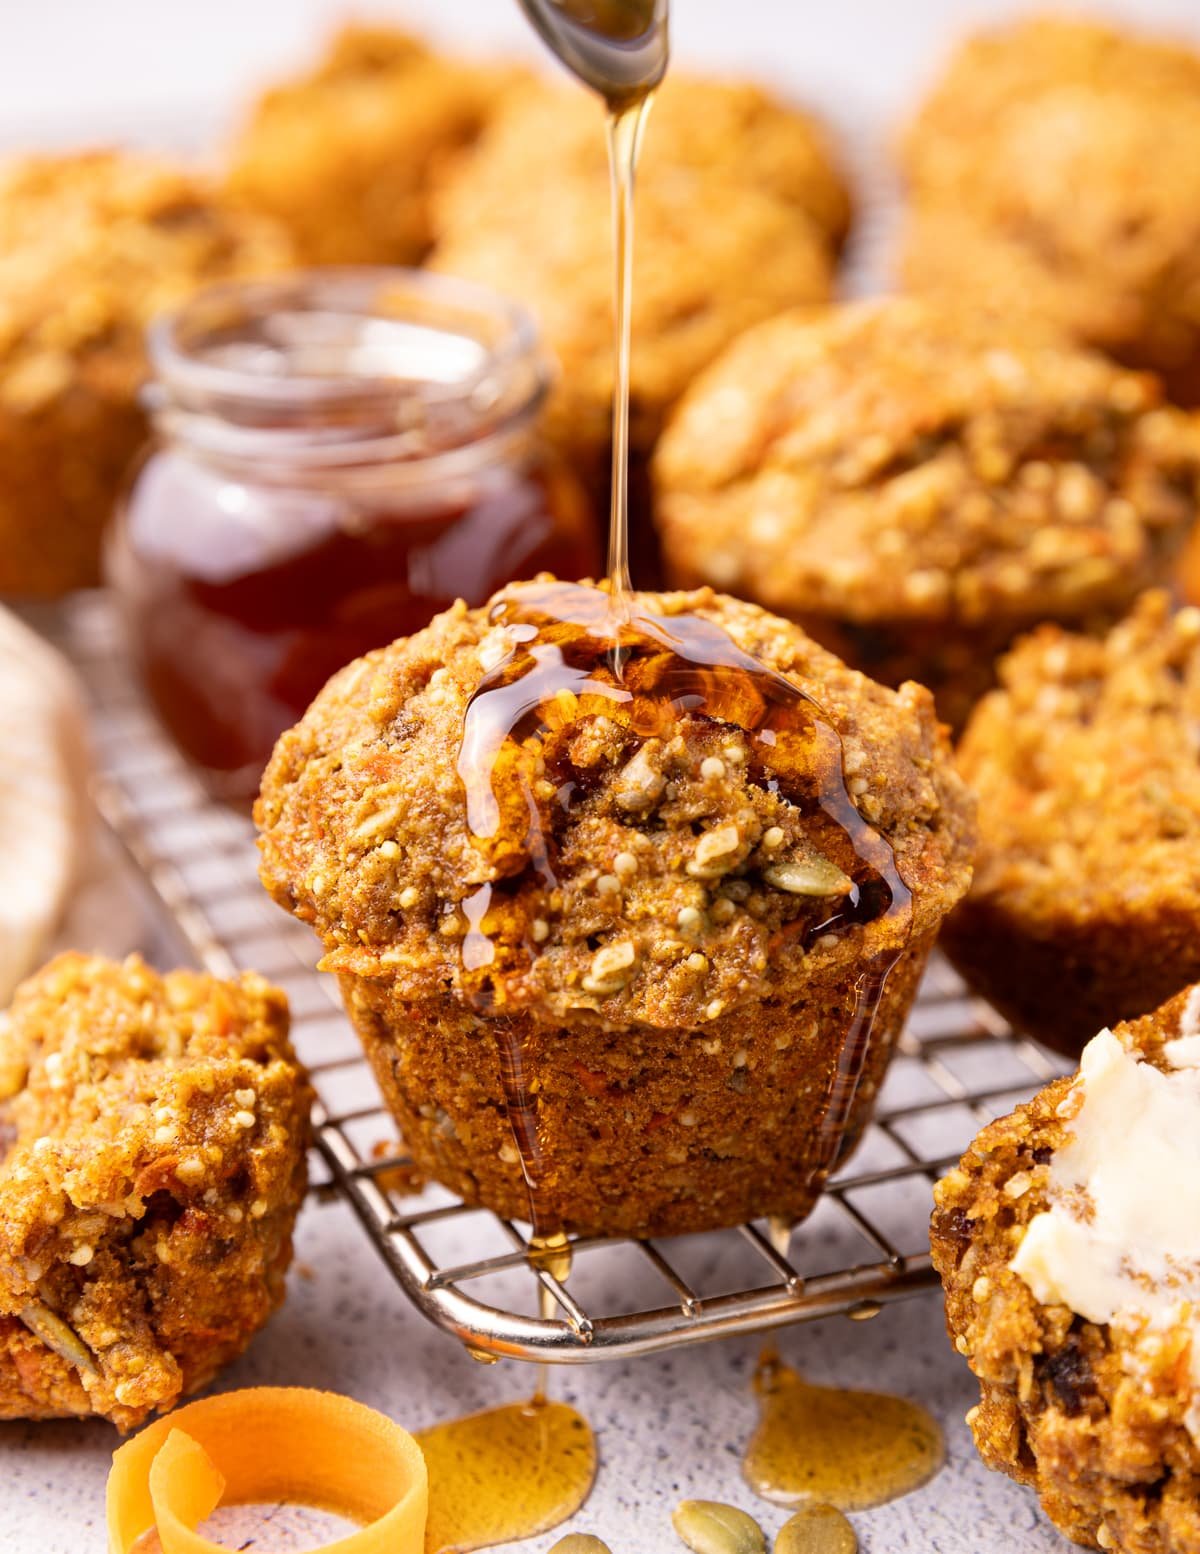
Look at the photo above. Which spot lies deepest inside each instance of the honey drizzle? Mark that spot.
(625, 127)
(838, 1447)
(579, 651)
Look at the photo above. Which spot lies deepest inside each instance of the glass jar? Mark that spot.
(338, 455)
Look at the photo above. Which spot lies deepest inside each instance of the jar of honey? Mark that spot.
(338, 455)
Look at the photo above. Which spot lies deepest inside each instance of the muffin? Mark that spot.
(92, 246)
(348, 155)
(917, 483)
(1068, 1244)
(1086, 898)
(1055, 171)
(626, 960)
(156, 1132)
(740, 210)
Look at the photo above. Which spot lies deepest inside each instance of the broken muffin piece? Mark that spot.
(1068, 1243)
(159, 1130)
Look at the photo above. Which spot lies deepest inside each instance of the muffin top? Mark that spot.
(1084, 763)
(347, 154)
(92, 246)
(649, 877)
(901, 459)
(1055, 172)
(1002, 69)
(738, 210)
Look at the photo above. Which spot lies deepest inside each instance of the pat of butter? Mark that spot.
(1120, 1242)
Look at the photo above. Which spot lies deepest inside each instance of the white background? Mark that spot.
(71, 68)
(174, 72)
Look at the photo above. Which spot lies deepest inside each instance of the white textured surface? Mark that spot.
(667, 1428)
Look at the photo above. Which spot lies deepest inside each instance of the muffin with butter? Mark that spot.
(918, 483)
(1068, 1243)
(741, 209)
(93, 246)
(643, 946)
(1086, 901)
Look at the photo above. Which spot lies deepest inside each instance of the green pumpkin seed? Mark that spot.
(817, 1529)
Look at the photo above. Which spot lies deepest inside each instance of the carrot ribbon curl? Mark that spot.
(265, 1445)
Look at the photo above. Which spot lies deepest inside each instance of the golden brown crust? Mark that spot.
(348, 155)
(158, 1159)
(1086, 901)
(1065, 1405)
(663, 922)
(738, 209)
(1052, 171)
(92, 246)
(917, 483)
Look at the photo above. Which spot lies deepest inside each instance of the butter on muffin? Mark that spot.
(92, 246)
(1086, 899)
(1055, 171)
(1068, 1243)
(347, 156)
(156, 1130)
(916, 484)
(666, 945)
(740, 210)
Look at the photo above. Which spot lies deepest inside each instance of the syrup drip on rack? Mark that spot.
(828, 1445)
(506, 1473)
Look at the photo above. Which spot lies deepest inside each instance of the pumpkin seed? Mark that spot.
(55, 1334)
(817, 1529)
(711, 1527)
(580, 1543)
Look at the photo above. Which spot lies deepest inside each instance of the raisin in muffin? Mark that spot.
(1086, 899)
(158, 1129)
(348, 155)
(1054, 170)
(92, 246)
(1068, 1244)
(658, 947)
(740, 210)
(918, 483)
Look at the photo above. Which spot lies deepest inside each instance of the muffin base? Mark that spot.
(642, 1131)
(1062, 981)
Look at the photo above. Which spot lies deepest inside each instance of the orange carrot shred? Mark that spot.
(267, 1444)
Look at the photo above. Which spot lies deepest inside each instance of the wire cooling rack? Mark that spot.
(958, 1065)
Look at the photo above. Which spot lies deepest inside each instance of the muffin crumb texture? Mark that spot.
(158, 1131)
(917, 483)
(658, 985)
(1085, 904)
(92, 247)
(1100, 1416)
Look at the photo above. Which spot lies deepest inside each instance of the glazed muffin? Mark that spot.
(641, 976)
(348, 155)
(1086, 898)
(92, 246)
(740, 209)
(1055, 171)
(157, 1132)
(917, 484)
(1067, 1243)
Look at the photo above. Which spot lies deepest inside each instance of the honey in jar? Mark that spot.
(338, 456)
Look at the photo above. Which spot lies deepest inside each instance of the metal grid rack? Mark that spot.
(957, 1066)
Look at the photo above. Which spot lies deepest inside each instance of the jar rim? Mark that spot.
(409, 365)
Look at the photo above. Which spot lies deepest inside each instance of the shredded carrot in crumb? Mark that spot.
(270, 1444)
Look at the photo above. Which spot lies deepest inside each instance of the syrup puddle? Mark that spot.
(506, 1473)
(846, 1449)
